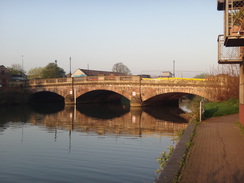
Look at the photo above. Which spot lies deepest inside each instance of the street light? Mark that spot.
(22, 73)
(70, 66)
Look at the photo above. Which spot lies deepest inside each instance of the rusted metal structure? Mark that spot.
(231, 44)
(228, 55)
(233, 21)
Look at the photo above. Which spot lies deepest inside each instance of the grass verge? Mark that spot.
(214, 109)
(239, 125)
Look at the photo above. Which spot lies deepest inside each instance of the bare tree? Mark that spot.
(120, 67)
(228, 76)
(16, 69)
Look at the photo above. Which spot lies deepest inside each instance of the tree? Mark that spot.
(121, 68)
(16, 69)
(52, 71)
(202, 76)
(227, 74)
(35, 73)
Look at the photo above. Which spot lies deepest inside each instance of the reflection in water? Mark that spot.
(47, 108)
(119, 121)
(169, 113)
(66, 144)
(98, 119)
(14, 114)
(103, 111)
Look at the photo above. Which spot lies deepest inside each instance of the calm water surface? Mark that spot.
(90, 143)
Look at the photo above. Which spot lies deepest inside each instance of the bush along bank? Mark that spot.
(214, 109)
(172, 163)
(210, 109)
(12, 96)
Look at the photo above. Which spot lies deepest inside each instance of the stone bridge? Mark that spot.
(138, 91)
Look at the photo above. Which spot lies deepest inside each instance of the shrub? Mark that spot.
(214, 109)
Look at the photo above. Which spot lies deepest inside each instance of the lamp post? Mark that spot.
(70, 66)
(22, 73)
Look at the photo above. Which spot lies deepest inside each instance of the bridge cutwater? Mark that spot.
(140, 92)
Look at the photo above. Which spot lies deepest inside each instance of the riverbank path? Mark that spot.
(217, 154)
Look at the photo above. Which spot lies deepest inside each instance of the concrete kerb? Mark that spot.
(170, 172)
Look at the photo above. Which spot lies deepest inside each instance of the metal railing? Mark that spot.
(228, 55)
(234, 10)
(233, 22)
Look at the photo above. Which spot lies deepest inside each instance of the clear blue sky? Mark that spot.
(146, 35)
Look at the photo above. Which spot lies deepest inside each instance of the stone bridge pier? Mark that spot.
(136, 100)
(69, 99)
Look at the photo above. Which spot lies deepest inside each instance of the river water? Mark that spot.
(89, 143)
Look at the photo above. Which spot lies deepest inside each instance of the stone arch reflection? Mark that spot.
(137, 121)
(103, 111)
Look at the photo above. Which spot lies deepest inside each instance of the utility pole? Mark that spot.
(174, 68)
(22, 73)
(70, 66)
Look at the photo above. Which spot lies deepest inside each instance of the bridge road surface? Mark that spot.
(217, 155)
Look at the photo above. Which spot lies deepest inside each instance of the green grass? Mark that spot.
(239, 125)
(214, 109)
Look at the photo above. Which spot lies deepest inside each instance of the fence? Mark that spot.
(228, 55)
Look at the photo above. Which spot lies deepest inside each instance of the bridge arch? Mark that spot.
(170, 94)
(46, 96)
(101, 96)
(166, 98)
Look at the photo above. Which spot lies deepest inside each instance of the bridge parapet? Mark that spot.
(124, 79)
(83, 80)
(183, 82)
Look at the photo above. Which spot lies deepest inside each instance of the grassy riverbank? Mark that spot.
(12, 96)
(214, 109)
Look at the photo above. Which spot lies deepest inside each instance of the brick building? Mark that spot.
(231, 43)
(5, 76)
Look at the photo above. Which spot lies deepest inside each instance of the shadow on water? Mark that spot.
(22, 113)
(19, 113)
(103, 111)
(47, 108)
(166, 113)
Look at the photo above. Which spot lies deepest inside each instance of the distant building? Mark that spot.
(18, 77)
(86, 72)
(144, 75)
(68, 75)
(5, 76)
(166, 74)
